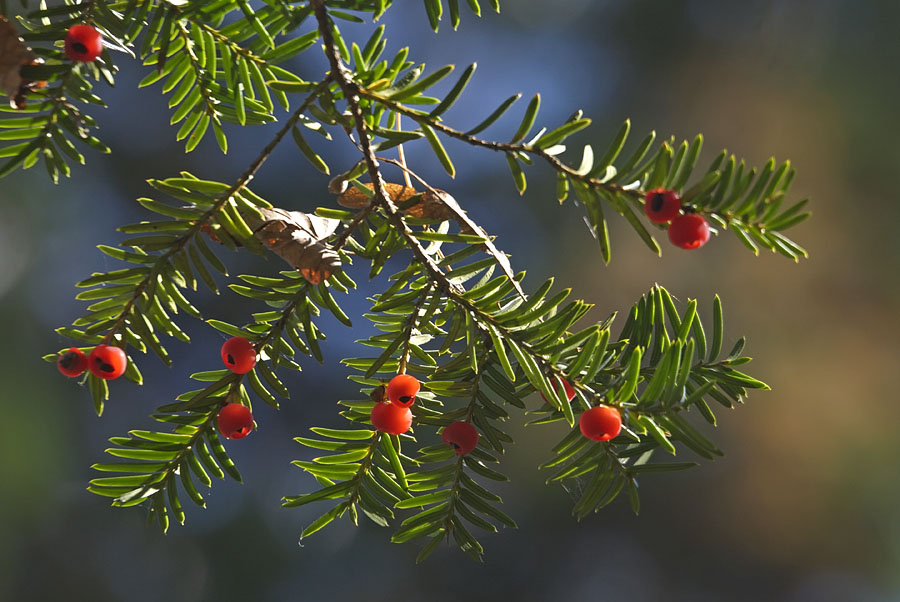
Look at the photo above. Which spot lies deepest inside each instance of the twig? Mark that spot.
(506, 147)
(239, 185)
(411, 326)
(351, 90)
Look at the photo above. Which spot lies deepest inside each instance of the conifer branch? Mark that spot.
(456, 316)
(234, 46)
(207, 217)
(180, 450)
(199, 72)
(505, 147)
(382, 199)
(719, 196)
(459, 470)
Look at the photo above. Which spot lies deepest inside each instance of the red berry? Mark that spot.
(661, 205)
(570, 391)
(239, 355)
(402, 390)
(83, 43)
(689, 231)
(73, 362)
(462, 436)
(107, 362)
(391, 419)
(235, 421)
(601, 423)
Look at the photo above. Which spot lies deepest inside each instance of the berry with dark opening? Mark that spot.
(570, 391)
(661, 205)
(73, 362)
(462, 436)
(391, 419)
(239, 355)
(235, 421)
(402, 390)
(689, 231)
(601, 423)
(83, 43)
(107, 362)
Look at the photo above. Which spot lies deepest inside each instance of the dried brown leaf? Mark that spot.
(433, 204)
(13, 54)
(378, 394)
(425, 205)
(299, 239)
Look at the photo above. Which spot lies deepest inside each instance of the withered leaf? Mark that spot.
(13, 54)
(432, 204)
(378, 394)
(299, 239)
(425, 205)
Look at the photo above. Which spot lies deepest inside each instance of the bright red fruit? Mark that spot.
(107, 362)
(73, 362)
(462, 436)
(601, 423)
(239, 355)
(570, 391)
(83, 43)
(391, 419)
(689, 231)
(402, 390)
(661, 205)
(235, 421)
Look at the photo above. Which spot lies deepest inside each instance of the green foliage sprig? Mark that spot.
(459, 317)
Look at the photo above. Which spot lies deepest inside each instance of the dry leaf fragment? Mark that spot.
(299, 239)
(207, 229)
(431, 204)
(378, 394)
(468, 226)
(13, 54)
(434, 204)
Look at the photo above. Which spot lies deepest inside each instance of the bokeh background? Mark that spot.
(805, 506)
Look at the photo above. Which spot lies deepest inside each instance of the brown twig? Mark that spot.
(506, 147)
(351, 94)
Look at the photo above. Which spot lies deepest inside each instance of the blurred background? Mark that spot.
(804, 507)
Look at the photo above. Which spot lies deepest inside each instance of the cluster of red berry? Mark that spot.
(83, 43)
(394, 416)
(235, 419)
(108, 362)
(688, 230)
(105, 361)
(600, 423)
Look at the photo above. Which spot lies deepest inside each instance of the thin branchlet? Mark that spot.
(381, 198)
(204, 219)
(635, 193)
(470, 409)
(411, 327)
(506, 147)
